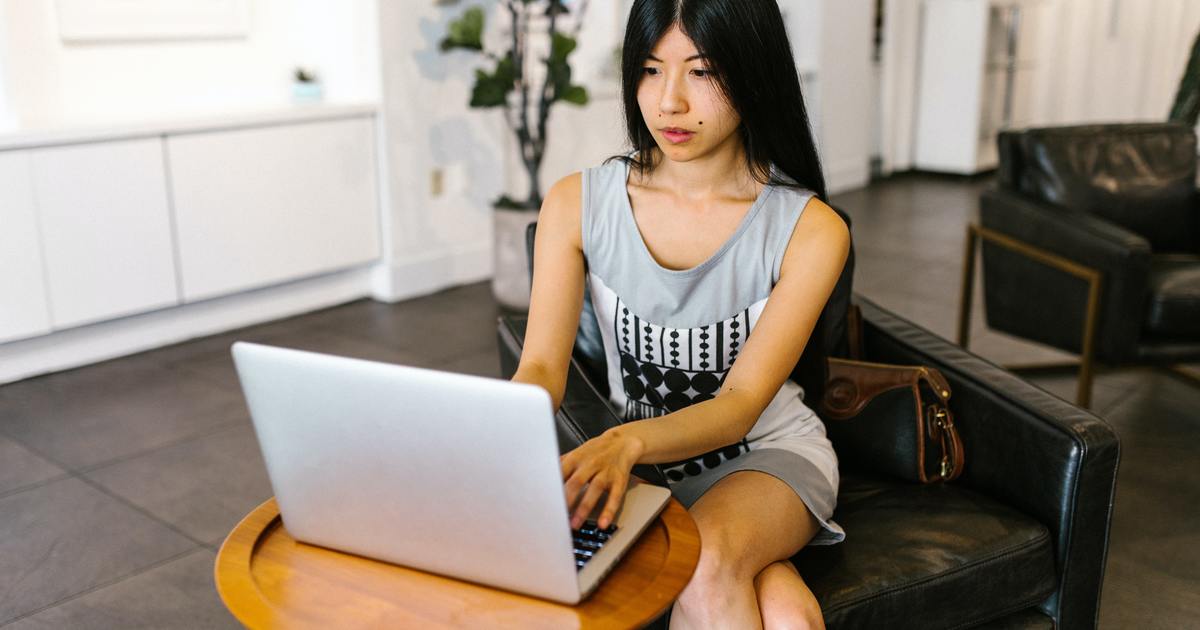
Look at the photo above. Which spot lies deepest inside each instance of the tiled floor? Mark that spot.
(118, 481)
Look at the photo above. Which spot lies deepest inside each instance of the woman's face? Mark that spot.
(678, 94)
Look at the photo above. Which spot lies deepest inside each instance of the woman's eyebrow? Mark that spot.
(653, 58)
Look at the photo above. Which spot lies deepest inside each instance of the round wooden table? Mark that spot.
(267, 580)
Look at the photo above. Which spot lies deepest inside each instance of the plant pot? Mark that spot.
(510, 276)
(306, 92)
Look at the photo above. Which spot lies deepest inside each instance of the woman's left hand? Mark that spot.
(602, 464)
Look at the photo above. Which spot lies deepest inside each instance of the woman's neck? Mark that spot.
(721, 174)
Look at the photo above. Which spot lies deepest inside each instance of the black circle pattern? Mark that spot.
(708, 461)
(670, 389)
(655, 370)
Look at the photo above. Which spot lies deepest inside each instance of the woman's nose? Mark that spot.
(673, 100)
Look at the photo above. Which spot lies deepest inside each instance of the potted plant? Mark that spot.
(306, 87)
(525, 84)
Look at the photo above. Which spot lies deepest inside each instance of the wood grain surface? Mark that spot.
(269, 580)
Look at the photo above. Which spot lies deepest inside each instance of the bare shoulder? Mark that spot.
(820, 236)
(562, 209)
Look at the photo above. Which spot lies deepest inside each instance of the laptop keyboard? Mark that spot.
(588, 540)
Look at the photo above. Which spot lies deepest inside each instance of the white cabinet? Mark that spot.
(255, 207)
(146, 220)
(106, 229)
(23, 308)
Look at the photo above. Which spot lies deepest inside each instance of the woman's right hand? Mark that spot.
(600, 465)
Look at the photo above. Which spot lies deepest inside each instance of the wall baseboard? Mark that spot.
(400, 280)
(75, 347)
(430, 273)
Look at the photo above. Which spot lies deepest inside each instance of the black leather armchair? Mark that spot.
(1091, 243)
(1019, 541)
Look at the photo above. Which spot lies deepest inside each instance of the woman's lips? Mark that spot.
(677, 136)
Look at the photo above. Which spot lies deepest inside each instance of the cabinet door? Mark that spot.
(23, 308)
(259, 206)
(106, 230)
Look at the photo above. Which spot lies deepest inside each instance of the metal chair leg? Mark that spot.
(975, 233)
(968, 286)
(1188, 373)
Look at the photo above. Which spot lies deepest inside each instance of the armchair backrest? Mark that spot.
(828, 337)
(1141, 176)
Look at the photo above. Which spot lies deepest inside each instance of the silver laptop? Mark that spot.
(452, 474)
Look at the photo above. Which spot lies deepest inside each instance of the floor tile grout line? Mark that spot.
(211, 431)
(76, 470)
(143, 511)
(37, 484)
(102, 585)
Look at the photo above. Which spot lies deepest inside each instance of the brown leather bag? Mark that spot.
(878, 416)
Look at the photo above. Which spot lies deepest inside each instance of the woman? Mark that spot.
(711, 229)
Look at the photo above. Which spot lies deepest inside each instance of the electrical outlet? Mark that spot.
(437, 182)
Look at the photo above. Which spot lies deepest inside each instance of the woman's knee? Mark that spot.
(721, 568)
(723, 555)
(785, 601)
(790, 615)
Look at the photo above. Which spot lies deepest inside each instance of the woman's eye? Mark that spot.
(702, 73)
(650, 71)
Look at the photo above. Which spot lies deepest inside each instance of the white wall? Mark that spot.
(49, 83)
(7, 119)
(1118, 60)
(432, 242)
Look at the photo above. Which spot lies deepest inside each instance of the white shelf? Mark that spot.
(82, 132)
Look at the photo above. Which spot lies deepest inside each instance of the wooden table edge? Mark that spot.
(237, 589)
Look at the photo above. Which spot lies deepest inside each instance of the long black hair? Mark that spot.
(747, 48)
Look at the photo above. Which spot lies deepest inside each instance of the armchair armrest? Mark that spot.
(1025, 447)
(584, 412)
(1028, 299)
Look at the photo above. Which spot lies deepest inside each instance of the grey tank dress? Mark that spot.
(671, 336)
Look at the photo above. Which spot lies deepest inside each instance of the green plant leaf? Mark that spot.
(576, 94)
(491, 89)
(560, 75)
(465, 32)
(561, 46)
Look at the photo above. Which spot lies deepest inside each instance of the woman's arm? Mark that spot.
(558, 283)
(812, 263)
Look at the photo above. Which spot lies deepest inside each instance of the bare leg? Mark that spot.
(747, 521)
(785, 600)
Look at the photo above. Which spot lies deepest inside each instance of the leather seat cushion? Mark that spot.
(926, 556)
(1174, 308)
(1028, 619)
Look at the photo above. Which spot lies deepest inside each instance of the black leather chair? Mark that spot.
(1019, 541)
(1091, 244)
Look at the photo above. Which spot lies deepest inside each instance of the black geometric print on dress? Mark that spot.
(678, 471)
(667, 369)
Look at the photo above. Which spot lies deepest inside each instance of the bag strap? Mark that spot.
(854, 384)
